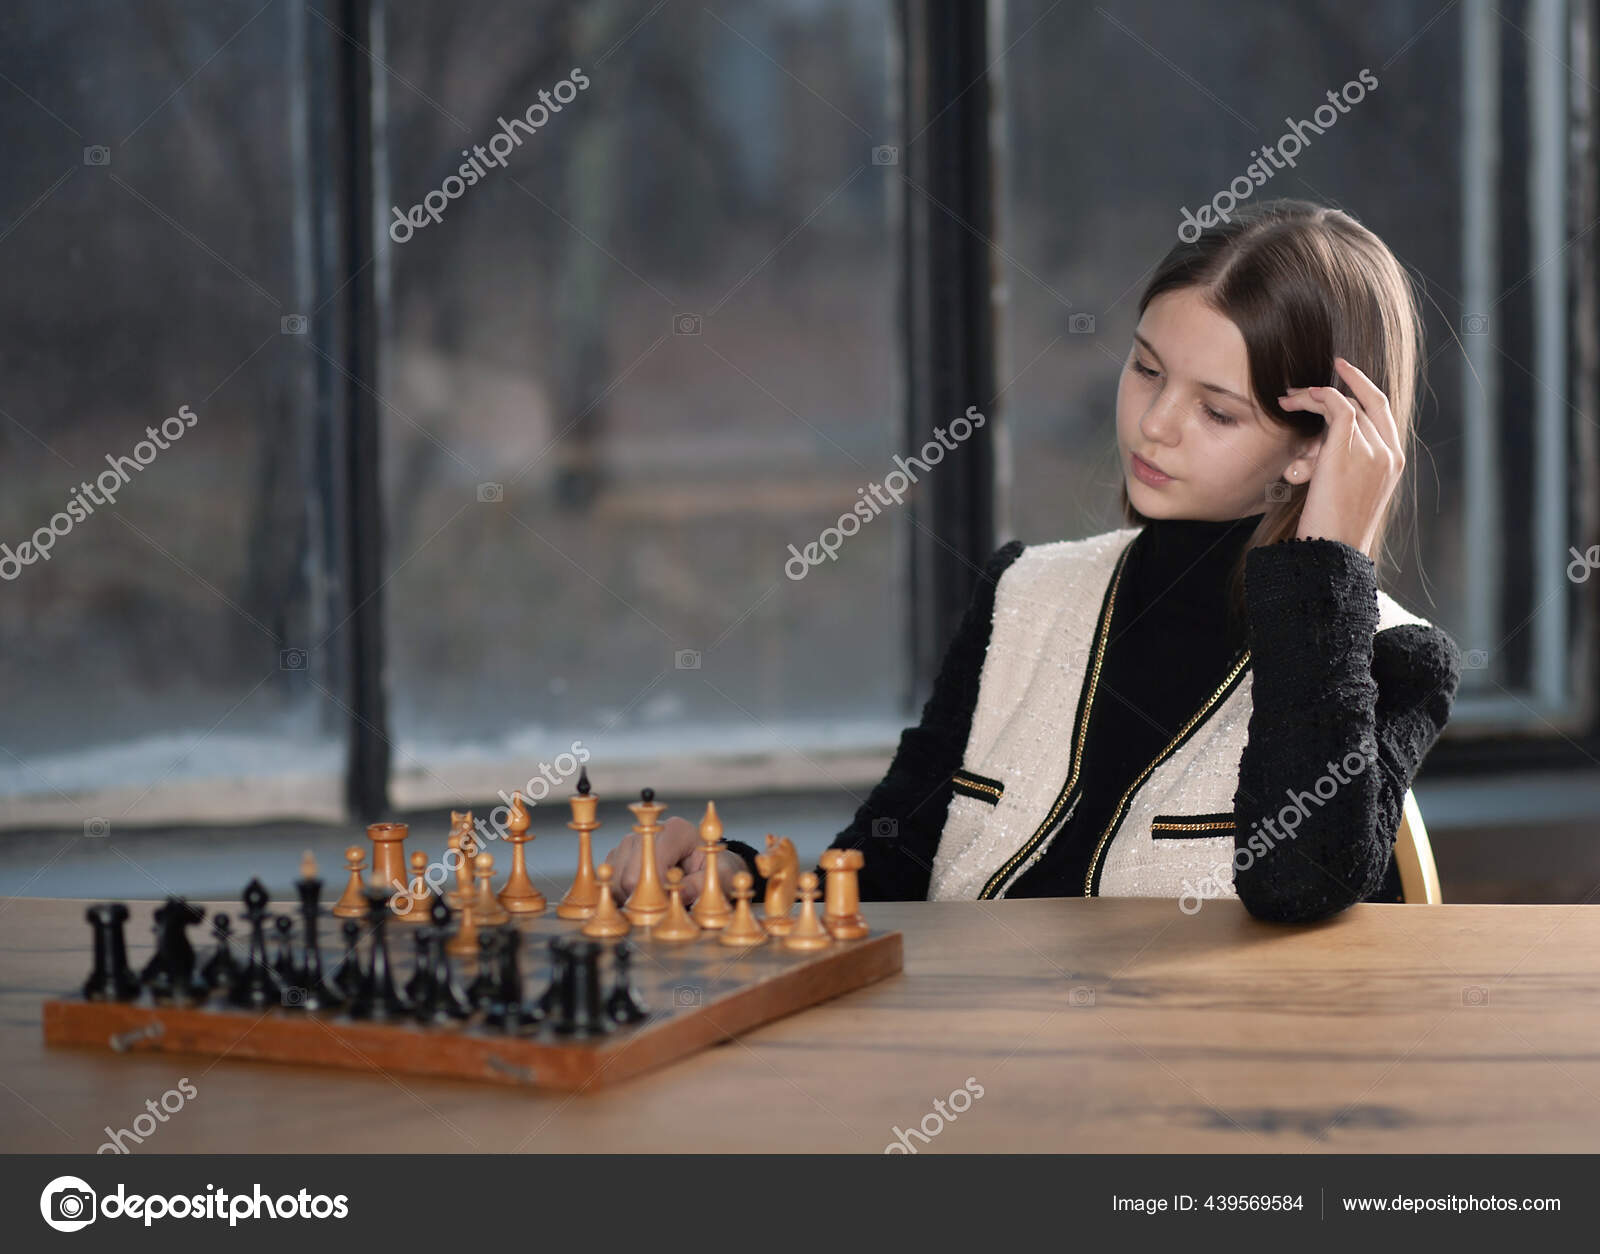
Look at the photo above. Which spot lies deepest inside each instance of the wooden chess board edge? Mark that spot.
(275, 1035)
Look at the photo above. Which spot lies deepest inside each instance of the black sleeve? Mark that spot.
(1326, 684)
(898, 826)
(748, 853)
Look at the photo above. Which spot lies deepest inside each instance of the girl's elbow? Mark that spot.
(1273, 902)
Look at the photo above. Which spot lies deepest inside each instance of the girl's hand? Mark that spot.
(677, 844)
(1359, 464)
(729, 864)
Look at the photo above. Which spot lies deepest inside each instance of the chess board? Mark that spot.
(696, 992)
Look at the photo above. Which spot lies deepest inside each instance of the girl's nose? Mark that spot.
(1160, 421)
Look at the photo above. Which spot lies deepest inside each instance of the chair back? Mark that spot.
(1419, 878)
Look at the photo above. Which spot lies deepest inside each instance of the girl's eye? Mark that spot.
(1144, 371)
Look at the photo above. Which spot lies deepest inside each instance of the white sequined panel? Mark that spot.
(1201, 868)
(1047, 604)
(971, 822)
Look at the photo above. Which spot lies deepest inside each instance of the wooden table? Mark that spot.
(1090, 1025)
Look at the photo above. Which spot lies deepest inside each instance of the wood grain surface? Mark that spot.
(1102, 1024)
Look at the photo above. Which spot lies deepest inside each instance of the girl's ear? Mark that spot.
(1304, 465)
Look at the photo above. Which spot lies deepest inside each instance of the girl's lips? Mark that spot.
(1148, 473)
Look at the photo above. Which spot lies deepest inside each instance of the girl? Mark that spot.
(1218, 699)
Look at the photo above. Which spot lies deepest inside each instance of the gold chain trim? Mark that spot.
(966, 781)
(1172, 825)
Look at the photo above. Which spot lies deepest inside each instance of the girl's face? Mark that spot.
(1185, 407)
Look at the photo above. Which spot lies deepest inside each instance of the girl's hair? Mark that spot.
(1303, 283)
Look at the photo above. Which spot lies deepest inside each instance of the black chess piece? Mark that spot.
(422, 989)
(423, 984)
(111, 979)
(453, 1002)
(320, 993)
(583, 1011)
(260, 986)
(151, 975)
(481, 991)
(348, 977)
(221, 971)
(285, 967)
(555, 1002)
(380, 998)
(623, 1003)
(550, 1002)
(170, 972)
(506, 1009)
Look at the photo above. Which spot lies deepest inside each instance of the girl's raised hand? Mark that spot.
(676, 840)
(677, 844)
(1359, 464)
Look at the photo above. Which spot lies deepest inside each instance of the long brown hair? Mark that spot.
(1303, 283)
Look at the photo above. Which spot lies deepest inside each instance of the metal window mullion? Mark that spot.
(1547, 216)
(1480, 158)
(948, 308)
(360, 498)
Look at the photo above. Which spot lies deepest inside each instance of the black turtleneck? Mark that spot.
(1174, 588)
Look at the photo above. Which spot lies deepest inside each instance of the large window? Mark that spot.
(624, 371)
(481, 468)
(153, 213)
(1462, 159)
(652, 347)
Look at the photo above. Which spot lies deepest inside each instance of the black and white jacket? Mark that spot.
(1328, 712)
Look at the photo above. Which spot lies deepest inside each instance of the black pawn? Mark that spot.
(221, 971)
(260, 986)
(320, 992)
(584, 1012)
(481, 991)
(428, 1003)
(153, 977)
(170, 973)
(348, 977)
(506, 1009)
(453, 1002)
(623, 1003)
(422, 987)
(550, 1003)
(284, 965)
(380, 998)
(112, 979)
